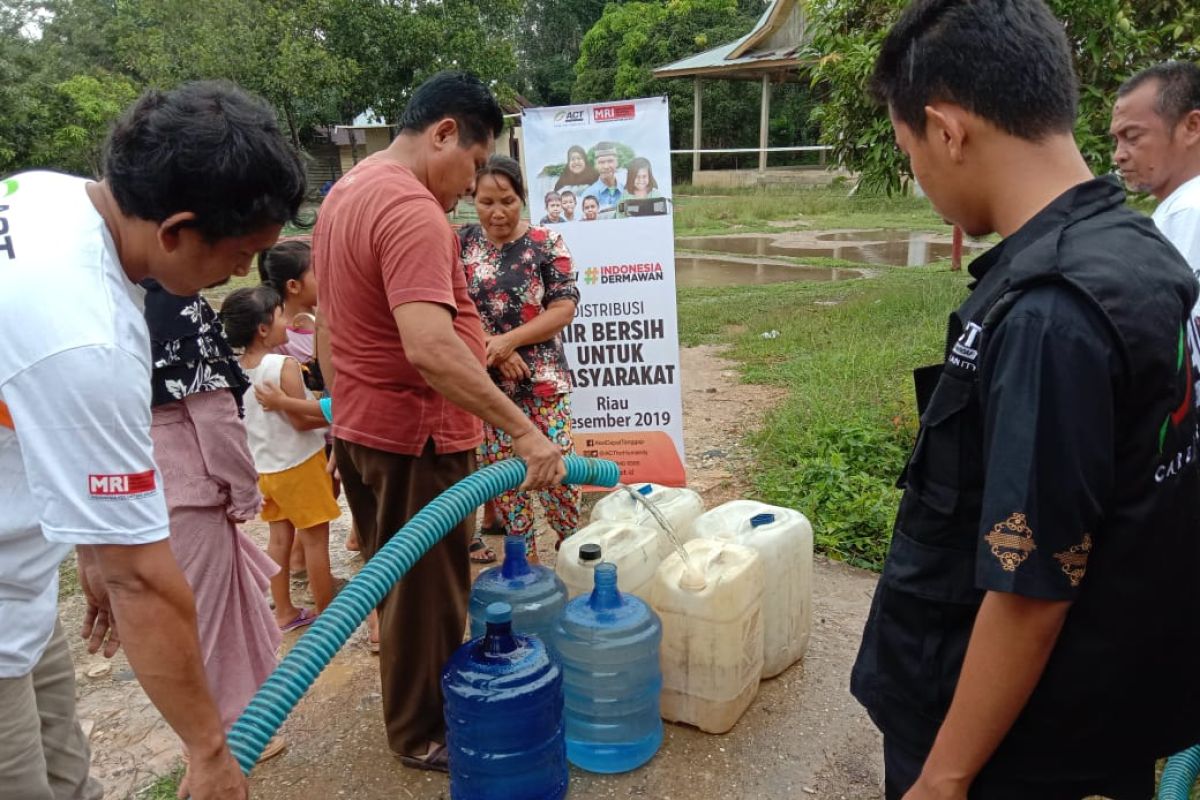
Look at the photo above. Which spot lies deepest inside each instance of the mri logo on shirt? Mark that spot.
(118, 486)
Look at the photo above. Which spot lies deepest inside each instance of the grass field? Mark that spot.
(845, 353)
(701, 211)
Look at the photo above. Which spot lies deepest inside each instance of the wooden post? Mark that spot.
(696, 125)
(764, 121)
(956, 250)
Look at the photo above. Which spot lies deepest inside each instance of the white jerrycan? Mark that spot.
(712, 633)
(679, 507)
(633, 548)
(784, 539)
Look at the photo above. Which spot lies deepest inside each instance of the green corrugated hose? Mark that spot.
(281, 691)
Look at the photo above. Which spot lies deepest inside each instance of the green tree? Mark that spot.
(76, 117)
(548, 41)
(630, 40)
(398, 45)
(1111, 39)
(58, 84)
(275, 48)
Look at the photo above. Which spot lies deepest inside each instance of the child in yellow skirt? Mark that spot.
(288, 449)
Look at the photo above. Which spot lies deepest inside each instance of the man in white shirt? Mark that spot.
(1156, 128)
(197, 180)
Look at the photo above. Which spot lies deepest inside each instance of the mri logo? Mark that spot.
(8, 188)
(590, 275)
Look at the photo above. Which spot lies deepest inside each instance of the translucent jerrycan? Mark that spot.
(535, 593)
(679, 507)
(632, 548)
(608, 644)
(712, 650)
(784, 539)
(504, 716)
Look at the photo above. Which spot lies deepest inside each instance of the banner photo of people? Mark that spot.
(601, 174)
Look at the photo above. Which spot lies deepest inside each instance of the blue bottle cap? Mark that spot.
(761, 519)
(498, 613)
(645, 490)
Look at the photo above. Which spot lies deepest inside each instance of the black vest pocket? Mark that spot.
(941, 468)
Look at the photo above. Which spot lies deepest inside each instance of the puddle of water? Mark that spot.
(884, 248)
(705, 271)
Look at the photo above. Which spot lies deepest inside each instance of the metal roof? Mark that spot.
(773, 45)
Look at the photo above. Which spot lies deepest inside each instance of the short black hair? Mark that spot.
(1178, 88)
(504, 167)
(286, 261)
(460, 96)
(1007, 61)
(563, 194)
(591, 197)
(245, 309)
(206, 147)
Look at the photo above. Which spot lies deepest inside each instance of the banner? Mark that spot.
(601, 174)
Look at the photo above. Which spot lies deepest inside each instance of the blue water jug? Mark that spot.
(504, 716)
(608, 645)
(536, 594)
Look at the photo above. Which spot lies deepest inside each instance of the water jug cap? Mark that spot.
(761, 519)
(645, 489)
(590, 552)
(692, 579)
(498, 613)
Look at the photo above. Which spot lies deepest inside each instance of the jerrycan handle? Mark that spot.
(515, 562)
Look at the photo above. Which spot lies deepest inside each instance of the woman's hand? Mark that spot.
(514, 368)
(499, 349)
(269, 396)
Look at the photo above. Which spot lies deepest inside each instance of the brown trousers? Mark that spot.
(43, 752)
(423, 618)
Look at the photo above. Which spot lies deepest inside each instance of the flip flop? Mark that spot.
(275, 746)
(436, 760)
(304, 617)
(487, 556)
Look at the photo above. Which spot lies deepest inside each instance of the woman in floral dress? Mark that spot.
(522, 280)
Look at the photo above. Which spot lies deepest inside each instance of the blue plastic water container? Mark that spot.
(536, 594)
(504, 716)
(608, 645)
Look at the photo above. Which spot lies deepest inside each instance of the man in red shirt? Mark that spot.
(408, 355)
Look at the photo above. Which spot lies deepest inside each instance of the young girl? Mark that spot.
(286, 268)
(288, 449)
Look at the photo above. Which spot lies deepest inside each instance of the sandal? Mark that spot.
(303, 617)
(480, 553)
(495, 529)
(275, 745)
(436, 760)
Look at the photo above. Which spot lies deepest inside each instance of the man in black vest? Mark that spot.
(1036, 630)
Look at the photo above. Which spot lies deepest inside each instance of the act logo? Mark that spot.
(569, 118)
(9, 187)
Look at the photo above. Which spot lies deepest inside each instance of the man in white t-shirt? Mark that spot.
(197, 180)
(1156, 128)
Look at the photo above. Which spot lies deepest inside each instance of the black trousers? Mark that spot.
(1125, 782)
